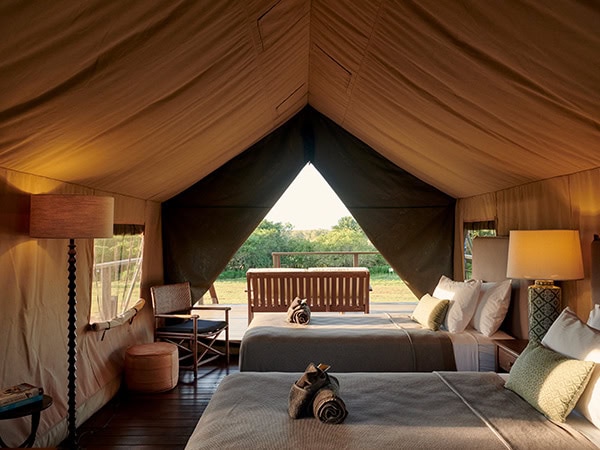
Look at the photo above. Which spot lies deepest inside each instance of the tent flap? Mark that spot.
(410, 222)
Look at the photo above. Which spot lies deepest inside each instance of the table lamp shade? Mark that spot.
(57, 216)
(544, 256)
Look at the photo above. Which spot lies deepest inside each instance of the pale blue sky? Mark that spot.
(309, 203)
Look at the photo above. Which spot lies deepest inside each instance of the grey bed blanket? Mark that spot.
(448, 410)
(349, 343)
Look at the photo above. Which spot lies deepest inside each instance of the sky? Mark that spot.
(309, 203)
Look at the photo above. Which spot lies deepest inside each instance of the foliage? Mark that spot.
(267, 238)
(117, 248)
(270, 237)
(347, 223)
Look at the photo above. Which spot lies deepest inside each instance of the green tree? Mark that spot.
(347, 222)
(267, 238)
(347, 235)
(271, 237)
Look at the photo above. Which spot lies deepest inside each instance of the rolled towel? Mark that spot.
(328, 407)
(304, 390)
(298, 312)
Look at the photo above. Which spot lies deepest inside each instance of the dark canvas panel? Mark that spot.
(410, 222)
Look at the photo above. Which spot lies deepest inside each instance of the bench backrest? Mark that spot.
(338, 289)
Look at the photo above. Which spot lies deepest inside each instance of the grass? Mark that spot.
(386, 289)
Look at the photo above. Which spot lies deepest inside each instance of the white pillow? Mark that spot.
(573, 338)
(594, 318)
(492, 306)
(463, 297)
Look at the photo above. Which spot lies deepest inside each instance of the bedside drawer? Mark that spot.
(507, 351)
(505, 359)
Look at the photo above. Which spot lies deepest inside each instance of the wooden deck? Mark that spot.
(238, 316)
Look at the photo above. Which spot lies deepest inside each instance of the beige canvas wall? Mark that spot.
(567, 202)
(33, 304)
(34, 285)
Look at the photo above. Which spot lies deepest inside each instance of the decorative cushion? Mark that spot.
(463, 297)
(594, 318)
(492, 306)
(571, 337)
(548, 381)
(430, 312)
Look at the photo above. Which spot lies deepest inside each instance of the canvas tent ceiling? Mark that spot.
(146, 98)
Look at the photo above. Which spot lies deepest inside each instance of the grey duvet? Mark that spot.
(439, 410)
(348, 343)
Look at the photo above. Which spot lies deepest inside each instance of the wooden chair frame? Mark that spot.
(195, 344)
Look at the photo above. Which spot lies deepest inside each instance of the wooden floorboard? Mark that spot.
(154, 421)
(165, 421)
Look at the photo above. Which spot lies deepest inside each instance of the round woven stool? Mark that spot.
(152, 367)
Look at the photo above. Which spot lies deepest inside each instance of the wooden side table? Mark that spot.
(33, 410)
(507, 352)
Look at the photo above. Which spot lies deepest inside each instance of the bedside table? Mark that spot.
(31, 409)
(507, 351)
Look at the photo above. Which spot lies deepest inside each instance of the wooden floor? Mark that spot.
(165, 421)
(154, 421)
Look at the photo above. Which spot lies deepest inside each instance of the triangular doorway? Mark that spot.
(310, 219)
(309, 203)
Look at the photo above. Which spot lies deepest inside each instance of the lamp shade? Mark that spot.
(68, 216)
(544, 255)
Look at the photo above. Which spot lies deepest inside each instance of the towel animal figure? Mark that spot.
(315, 393)
(298, 312)
(304, 390)
(328, 407)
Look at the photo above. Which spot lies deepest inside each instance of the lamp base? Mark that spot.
(544, 307)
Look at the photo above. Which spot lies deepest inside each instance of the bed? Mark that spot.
(450, 410)
(392, 342)
(370, 343)
(550, 400)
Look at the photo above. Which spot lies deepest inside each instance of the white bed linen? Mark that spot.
(473, 351)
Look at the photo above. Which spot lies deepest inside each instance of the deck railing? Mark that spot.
(355, 262)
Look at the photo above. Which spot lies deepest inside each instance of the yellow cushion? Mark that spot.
(430, 312)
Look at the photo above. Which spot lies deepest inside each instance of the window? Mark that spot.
(471, 231)
(117, 272)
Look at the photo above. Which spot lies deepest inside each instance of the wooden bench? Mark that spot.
(336, 289)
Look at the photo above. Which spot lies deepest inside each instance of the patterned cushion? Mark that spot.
(570, 337)
(549, 381)
(430, 312)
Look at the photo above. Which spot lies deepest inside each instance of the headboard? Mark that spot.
(490, 255)
(595, 270)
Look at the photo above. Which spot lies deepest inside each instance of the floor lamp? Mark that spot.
(56, 216)
(544, 256)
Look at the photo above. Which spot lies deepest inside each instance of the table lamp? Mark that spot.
(65, 216)
(544, 256)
